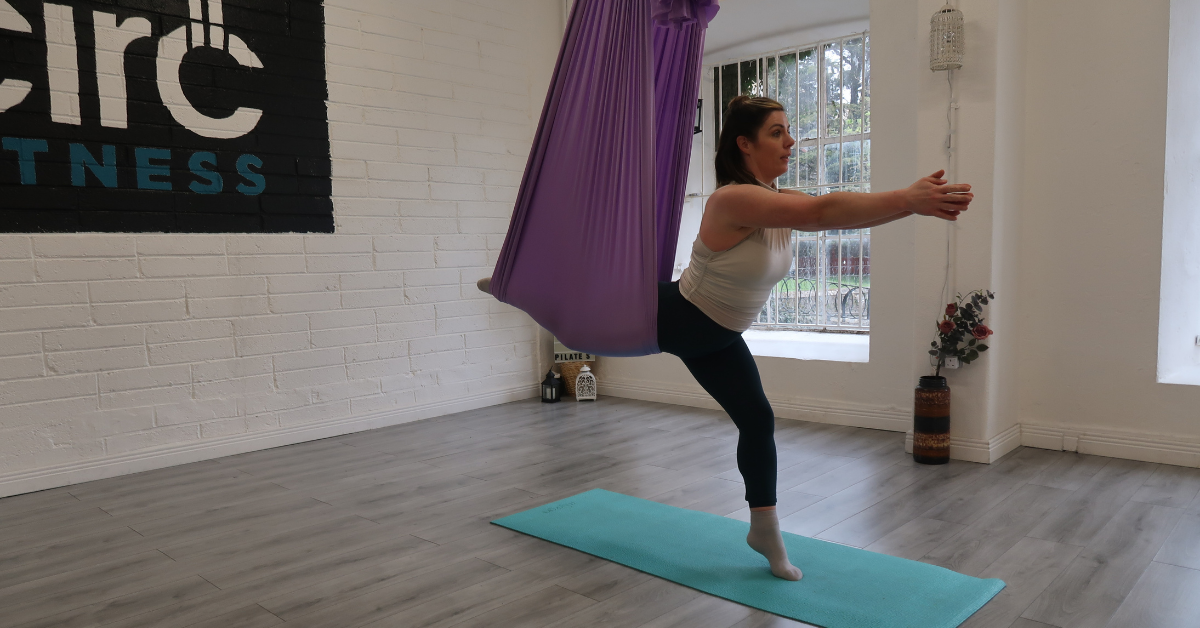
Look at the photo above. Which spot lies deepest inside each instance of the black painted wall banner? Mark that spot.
(163, 115)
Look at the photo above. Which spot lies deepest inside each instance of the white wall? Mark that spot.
(1064, 141)
(1096, 133)
(121, 353)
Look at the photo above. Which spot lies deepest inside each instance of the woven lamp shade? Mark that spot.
(946, 39)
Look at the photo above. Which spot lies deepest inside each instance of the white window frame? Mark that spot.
(859, 290)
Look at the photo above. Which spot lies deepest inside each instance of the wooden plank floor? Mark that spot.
(389, 528)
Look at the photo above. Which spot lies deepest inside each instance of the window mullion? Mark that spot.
(861, 289)
(822, 287)
(841, 117)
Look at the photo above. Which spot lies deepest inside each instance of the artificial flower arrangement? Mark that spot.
(961, 331)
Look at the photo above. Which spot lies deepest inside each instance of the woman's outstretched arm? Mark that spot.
(873, 223)
(750, 207)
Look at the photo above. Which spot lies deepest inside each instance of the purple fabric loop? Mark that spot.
(597, 213)
(678, 51)
(677, 13)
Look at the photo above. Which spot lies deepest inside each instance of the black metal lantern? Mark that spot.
(551, 392)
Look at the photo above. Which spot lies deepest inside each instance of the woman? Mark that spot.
(743, 250)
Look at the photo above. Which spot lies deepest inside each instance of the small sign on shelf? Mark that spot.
(563, 354)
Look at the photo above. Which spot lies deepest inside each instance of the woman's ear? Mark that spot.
(744, 144)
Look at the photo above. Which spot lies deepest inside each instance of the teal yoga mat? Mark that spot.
(842, 587)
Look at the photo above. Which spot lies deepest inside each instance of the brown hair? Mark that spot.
(744, 117)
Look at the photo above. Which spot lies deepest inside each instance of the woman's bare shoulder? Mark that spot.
(727, 198)
(749, 206)
(738, 192)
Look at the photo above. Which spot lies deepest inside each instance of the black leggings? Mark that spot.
(719, 359)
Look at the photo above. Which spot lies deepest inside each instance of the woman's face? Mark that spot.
(767, 156)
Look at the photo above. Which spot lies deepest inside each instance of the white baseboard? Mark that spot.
(1101, 441)
(973, 450)
(1160, 448)
(171, 455)
(853, 415)
(978, 450)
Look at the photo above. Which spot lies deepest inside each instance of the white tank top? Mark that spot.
(731, 286)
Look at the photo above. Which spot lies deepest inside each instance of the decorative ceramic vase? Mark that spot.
(931, 421)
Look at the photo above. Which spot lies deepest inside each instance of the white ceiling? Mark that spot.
(741, 21)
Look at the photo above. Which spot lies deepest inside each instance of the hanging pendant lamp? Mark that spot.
(946, 39)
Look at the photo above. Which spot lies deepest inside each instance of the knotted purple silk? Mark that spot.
(597, 214)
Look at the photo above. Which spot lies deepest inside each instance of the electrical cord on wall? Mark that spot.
(946, 53)
(951, 228)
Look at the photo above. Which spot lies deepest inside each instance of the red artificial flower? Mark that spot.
(951, 308)
(946, 327)
(981, 331)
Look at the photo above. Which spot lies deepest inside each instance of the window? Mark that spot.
(826, 90)
(1179, 287)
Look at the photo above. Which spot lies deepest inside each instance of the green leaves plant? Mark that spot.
(966, 315)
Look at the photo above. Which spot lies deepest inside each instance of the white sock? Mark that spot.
(484, 285)
(766, 539)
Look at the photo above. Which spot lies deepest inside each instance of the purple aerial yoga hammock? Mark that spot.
(597, 215)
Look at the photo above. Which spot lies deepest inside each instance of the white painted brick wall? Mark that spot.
(114, 344)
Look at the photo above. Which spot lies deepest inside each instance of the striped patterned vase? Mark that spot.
(931, 421)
